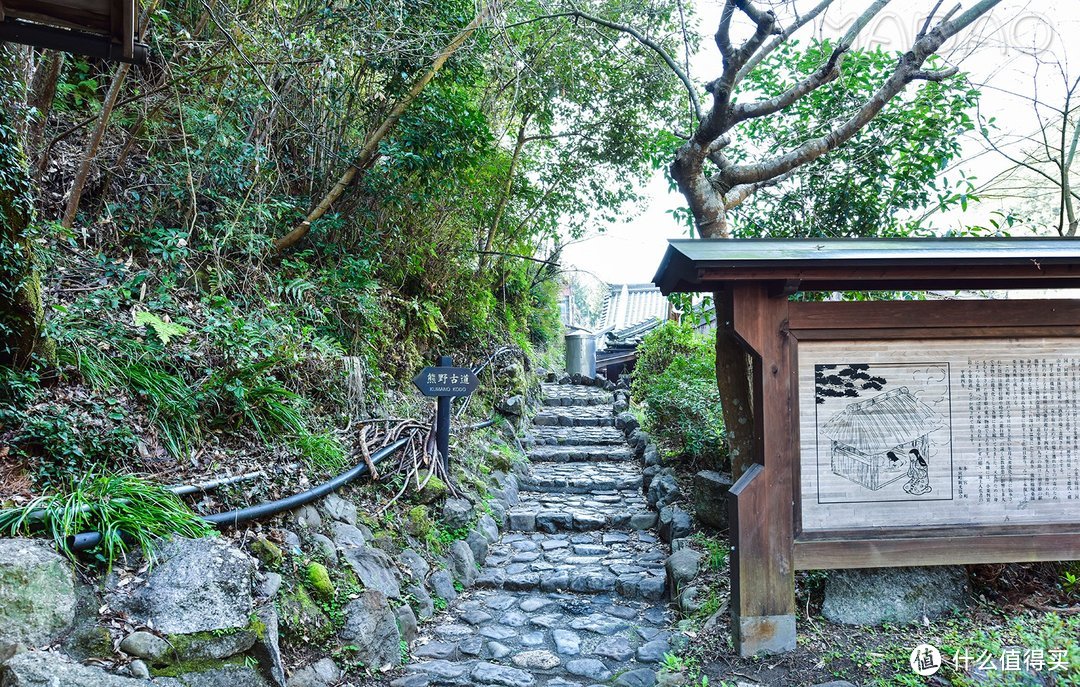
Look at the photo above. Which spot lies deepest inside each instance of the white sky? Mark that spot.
(999, 52)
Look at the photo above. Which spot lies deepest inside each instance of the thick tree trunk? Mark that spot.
(22, 315)
(42, 93)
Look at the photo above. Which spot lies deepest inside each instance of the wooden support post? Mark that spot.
(762, 500)
(442, 421)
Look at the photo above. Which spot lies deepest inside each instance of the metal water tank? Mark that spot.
(581, 353)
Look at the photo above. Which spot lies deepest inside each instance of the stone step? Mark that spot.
(582, 478)
(617, 510)
(626, 564)
(580, 454)
(498, 637)
(575, 436)
(570, 395)
(575, 416)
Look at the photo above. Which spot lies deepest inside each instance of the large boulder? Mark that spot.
(710, 498)
(663, 489)
(461, 562)
(893, 595)
(34, 669)
(374, 568)
(674, 523)
(371, 631)
(194, 585)
(228, 675)
(457, 514)
(37, 593)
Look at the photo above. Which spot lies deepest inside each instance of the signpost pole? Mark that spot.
(442, 420)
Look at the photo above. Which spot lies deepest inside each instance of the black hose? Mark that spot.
(88, 540)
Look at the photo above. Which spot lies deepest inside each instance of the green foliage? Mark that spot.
(674, 382)
(883, 182)
(121, 507)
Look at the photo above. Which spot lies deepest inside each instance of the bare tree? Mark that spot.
(1042, 160)
(713, 184)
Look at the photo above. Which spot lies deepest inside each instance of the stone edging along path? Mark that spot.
(575, 591)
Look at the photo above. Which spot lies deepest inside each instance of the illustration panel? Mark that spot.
(884, 432)
(938, 433)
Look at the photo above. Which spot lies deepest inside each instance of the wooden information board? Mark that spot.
(939, 433)
(893, 433)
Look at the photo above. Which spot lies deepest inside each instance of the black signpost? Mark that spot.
(445, 382)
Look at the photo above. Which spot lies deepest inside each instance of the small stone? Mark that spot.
(457, 514)
(462, 564)
(675, 523)
(588, 668)
(643, 521)
(145, 645)
(522, 522)
(617, 648)
(307, 516)
(682, 567)
(492, 674)
(566, 642)
(498, 650)
(435, 650)
(337, 508)
(653, 652)
(443, 585)
(407, 623)
(537, 659)
(270, 585)
(642, 677)
(267, 552)
(138, 669)
(710, 498)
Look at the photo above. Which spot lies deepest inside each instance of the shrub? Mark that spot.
(674, 382)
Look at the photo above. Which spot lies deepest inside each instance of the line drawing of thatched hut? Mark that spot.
(871, 439)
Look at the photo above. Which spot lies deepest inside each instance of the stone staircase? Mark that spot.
(574, 593)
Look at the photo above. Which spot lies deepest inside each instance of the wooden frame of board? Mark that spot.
(753, 281)
(103, 29)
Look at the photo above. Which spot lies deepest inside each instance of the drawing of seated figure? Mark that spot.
(918, 474)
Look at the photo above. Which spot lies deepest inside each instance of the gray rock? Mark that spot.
(37, 593)
(492, 674)
(515, 405)
(620, 406)
(266, 649)
(617, 648)
(139, 669)
(893, 595)
(478, 544)
(346, 535)
(462, 564)
(710, 498)
(195, 585)
(626, 422)
(642, 677)
(663, 489)
(689, 600)
(415, 564)
(653, 652)
(407, 623)
(443, 585)
(522, 522)
(325, 547)
(146, 645)
(651, 455)
(374, 568)
(647, 476)
(566, 642)
(291, 540)
(225, 676)
(425, 606)
(509, 485)
(307, 516)
(638, 440)
(487, 526)
(457, 514)
(338, 508)
(536, 659)
(371, 628)
(675, 523)
(270, 585)
(319, 674)
(588, 668)
(682, 567)
(34, 669)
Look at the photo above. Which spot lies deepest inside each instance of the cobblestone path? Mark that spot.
(574, 593)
